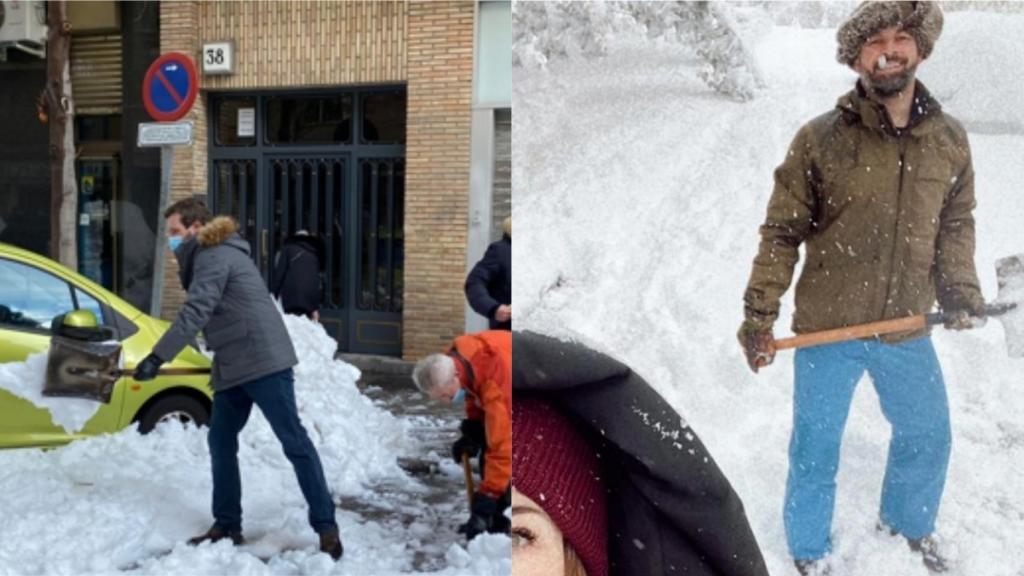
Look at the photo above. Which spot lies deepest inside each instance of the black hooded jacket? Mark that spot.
(296, 280)
(489, 283)
(670, 509)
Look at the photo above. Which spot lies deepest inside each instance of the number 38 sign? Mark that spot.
(219, 58)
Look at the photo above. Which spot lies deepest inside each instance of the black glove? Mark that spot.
(963, 311)
(481, 514)
(471, 442)
(758, 344)
(147, 369)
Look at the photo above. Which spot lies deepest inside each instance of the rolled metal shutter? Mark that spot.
(96, 74)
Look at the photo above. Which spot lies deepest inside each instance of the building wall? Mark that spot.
(24, 156)
(305, 43)
(179, 32)
(426, 43)
(437, 177)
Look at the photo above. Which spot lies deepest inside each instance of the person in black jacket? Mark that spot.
(296, 280)
(672, 510)
(489, 284)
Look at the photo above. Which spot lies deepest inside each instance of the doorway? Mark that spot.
(331, 163)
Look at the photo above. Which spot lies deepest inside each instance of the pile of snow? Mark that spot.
(127, 502)
(974, 71)
(716, 33)
(486, 554)
(638, 197)
(25, 380)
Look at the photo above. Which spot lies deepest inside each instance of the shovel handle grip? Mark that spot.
(859, 331)
(168, 372)
(467, 471)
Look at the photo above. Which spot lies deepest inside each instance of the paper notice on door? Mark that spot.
(84, 219)
(246, 122)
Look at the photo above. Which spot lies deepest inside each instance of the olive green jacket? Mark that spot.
(884, 216)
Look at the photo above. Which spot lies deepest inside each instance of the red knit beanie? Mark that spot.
(554, 466)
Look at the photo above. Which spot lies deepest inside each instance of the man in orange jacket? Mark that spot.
(477, 369)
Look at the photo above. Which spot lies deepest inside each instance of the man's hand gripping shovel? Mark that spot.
(1008, 308)
(79, 369)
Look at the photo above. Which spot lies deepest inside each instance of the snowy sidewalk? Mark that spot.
(126, 503)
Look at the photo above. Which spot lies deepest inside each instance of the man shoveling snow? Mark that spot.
(478, 370)
(253, 362)
(881, 191)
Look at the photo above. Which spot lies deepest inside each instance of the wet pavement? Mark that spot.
(429, 511)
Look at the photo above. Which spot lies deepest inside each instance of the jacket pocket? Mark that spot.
(830, 295)
(221, 336)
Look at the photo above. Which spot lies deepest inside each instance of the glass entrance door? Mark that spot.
(97, 196)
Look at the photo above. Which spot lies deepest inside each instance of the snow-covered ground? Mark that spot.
(126, 503)
(638, 194)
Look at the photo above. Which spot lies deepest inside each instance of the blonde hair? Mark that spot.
(573, 564)
(506, 226)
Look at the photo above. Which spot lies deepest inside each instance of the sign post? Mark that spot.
(168, 92)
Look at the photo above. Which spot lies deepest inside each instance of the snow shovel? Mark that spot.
(78, 369)
(1007, 308)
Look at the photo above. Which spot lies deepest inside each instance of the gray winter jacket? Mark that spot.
(229, 302)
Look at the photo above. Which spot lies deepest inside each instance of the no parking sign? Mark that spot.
(170, 87)
(168, 92)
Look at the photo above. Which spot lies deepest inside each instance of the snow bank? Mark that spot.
(128, 502)
(486, 554)
(25, 380)
(975, 68)
(638, 197)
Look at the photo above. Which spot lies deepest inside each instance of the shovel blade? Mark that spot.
(77, 369)
(1010, 278)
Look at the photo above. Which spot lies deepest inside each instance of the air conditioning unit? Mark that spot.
(23, 27)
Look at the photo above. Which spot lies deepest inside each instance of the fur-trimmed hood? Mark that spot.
(216, 231)
(922, 20)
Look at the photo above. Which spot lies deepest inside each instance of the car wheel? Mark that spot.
(177, 408)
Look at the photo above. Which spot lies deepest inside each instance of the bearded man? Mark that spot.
(881, 192)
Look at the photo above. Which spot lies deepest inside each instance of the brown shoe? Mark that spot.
(928, 548)
(216, 534)
(330, 543)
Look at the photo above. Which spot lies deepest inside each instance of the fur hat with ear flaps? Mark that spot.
(922, 20)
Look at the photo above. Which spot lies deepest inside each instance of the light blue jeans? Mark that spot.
(912, 394)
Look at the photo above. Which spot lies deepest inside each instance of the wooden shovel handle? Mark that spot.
(467, 470)
(182, 371)
(167, 372)
(853, 332)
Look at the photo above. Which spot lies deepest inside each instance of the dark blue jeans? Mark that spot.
(275, 396)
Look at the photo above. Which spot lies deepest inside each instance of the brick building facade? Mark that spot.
(425, 47)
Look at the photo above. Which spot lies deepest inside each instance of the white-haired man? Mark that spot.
(477, 369)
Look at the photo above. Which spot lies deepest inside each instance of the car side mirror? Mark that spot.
(80, 325)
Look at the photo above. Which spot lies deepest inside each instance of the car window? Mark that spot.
(87, 302)
(29, 297)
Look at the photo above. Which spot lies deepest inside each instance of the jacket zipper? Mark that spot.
(895, 229)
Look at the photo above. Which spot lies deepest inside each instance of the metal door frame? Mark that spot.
(261, 153)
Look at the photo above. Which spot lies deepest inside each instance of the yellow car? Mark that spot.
(35, 289)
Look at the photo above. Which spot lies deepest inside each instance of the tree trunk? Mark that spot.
(60, 113)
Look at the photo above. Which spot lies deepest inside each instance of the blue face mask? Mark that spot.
(460, 396)
(173, 242)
